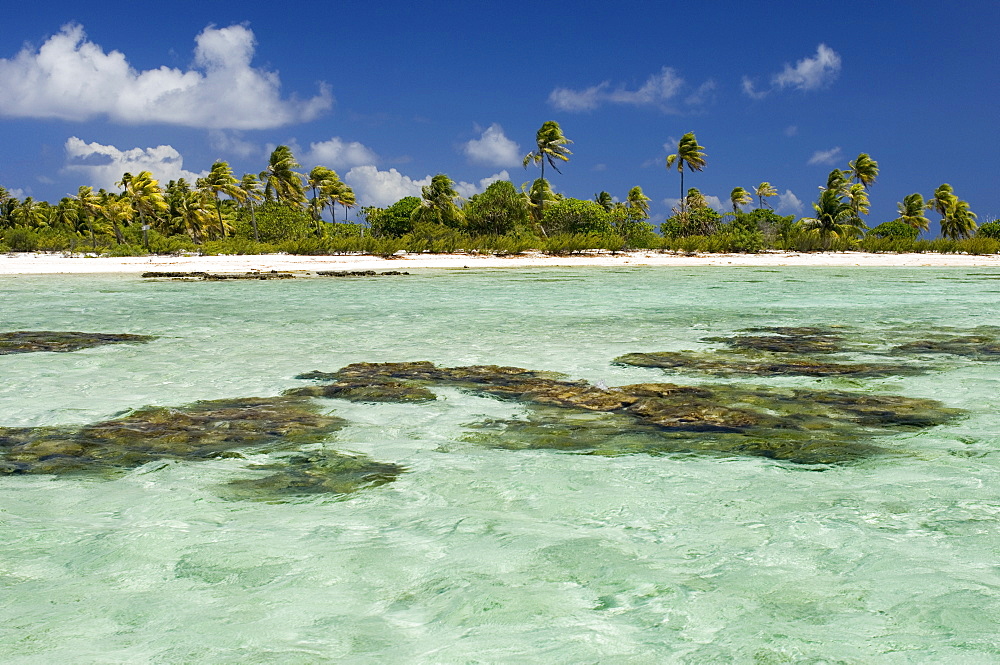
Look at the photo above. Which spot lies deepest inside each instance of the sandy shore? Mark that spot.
(41, 264)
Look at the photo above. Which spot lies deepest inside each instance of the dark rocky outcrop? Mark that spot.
(29, 341)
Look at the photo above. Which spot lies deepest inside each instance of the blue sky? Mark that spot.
(391, 93)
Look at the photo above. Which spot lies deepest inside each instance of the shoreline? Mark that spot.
(59, 264)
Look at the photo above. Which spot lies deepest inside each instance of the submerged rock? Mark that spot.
(359, 273)
(28, 341)
(806, 426)
(210, 276)
(380, 391)
(203, 430)
(319, 473)
(977, 347)
(733, 364)
(784, 339)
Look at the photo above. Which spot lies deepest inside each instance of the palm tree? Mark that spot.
(67, 214)
(347, 199)
(191, 214)
(438, 204)
(604, 200)
(739, 197)
(834, 217)
(689, 154)
(858, 196)
(957, 220)
(90, 203)
(322, 180)
(637, 203)
(911, 211)
(766, 190)
(837, 181)
(550, 145)
(117, 211)
(864, 170)
(219, 181)
(695, 200)
(143, 192)
(252, 193)
(539, 194)
(281, 182)
(31, 214)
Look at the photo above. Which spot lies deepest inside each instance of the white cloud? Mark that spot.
(103, 165)
(750, 91)
(467, 189)
(338, 153)
(714, 202)
(233, 143)
(493, 148)
(829, 157)
(71, 78)
(17, 193)
(789, 203)
(811, 73)
(703, 95)
(658, 90)
(383, 188)
(791, 130)
(807, 74)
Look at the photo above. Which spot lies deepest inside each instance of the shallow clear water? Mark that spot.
(484, 555)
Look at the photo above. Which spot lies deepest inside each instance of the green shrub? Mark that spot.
(894, 229)
(21, 240)
(989, 230)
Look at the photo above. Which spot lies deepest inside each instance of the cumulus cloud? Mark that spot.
(714, 202)
(338, 153)
(807, 74)
(467, 189)
(493, 148)
(383, 188)
(70, 78)
(789, 203)
(829, 157)
(811, 73)
(659, 90)
(233, 143)
(103, 165)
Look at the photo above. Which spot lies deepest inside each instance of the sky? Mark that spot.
(390, 93)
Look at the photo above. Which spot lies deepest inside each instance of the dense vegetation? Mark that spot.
(282, 210)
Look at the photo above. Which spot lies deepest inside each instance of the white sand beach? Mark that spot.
(41, 263)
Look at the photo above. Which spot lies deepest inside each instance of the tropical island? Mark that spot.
(281, 210)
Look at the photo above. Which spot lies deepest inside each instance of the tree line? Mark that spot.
(281, 209)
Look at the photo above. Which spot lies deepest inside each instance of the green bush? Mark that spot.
(894, 229)
(21, 240)
(989, 230)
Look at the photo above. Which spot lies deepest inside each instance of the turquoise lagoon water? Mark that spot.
(479, 554)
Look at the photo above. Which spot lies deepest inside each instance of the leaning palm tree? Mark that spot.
(144, 194)
(347, 199)
(550, 145)
(689, 154)
(834, 217)
(604, 200)
(837, 181)
(220, 180)
(438, 205)
(637, 203)
(739, 197)
(252, 193)
(321, 180)
(957, 220)
(281, 181)
(857, 195)
(864, 170)
(766, 190)
(538, 196)
(911, 212)
(191, 214)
